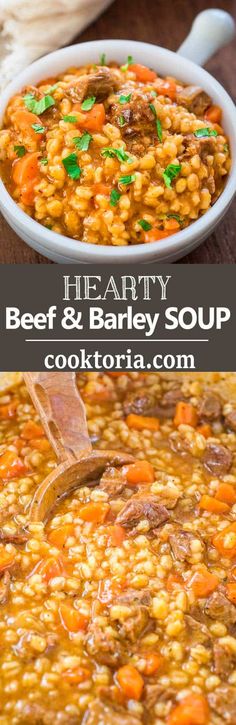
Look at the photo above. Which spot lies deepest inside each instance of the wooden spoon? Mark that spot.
(62, 413)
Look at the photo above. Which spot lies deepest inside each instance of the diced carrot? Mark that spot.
(209, 503)
(23, 120)
(139, 472)
(142, 422)
(91, 120)
(26, 175)
(101, 188)
(117, 374)
(172, 225)
(155, 235)
(186, 414)
(143, 74)
(166, 88)
(174, 580)
(72, 619)
(59, 536)
(231, 591)
(116, 535)
(192, 710)
(130, 682)
(205, 430)
(7, 558)
(11, 466)
(49, 568)
(202, 582)
(213, 114)
(9, 410)
(96, 392)
(153, 662)
(41, 444)
(76, 676)
(94, 512)
(31, 430)
(225, 541)
(226, 493)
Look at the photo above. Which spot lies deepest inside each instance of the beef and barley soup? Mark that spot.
(121, 609)
(114, 155)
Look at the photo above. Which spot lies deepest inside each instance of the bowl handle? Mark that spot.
(211, 30)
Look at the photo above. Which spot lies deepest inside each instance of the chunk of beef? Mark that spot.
(112, 482)
(99, 84)
(142, 402)
(155, 693)
(138, 117)
(230, 420)
(204, 146)
(16, 537)
(103, 647)
(5, 587)
(194, 99)
(217, 459)
(135, 596)
(224, 661)
(223, 702)
(219, 607)
(102, 713)
(137, 621)
(210, 407)
(198, 632)
(142, 507)
(181, 545)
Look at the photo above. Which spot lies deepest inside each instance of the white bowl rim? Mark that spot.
(81, 251)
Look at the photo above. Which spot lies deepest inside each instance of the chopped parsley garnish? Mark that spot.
(145, 225)
(202, 132)
(151, 105)
(111, 153)
(38, 107)
(114, 197)
(176, 217)
(171, 171)
(70, 119)
(44, 161)
(53, 88)
(38, 128)
(153, 94)
(103, 59)
(20, 151)
(226, 147)
(88, 103)
(159, 129)
(121, 120)
(71, 165)
(82, 142)
(129, 62)
(126, 180)
(125, 99)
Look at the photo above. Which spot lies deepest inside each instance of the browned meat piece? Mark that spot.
(5, 587)
(106, 650)
(135, 624)
(194, 99)
(18, 537)
(181, 545)
(210, 407)
(197, 631)
(25, 647)
(223, 702)
(217, 459)
(142, 507)
(112, 482)
(101, 713)
(138, 117)
(230, 420)
(99, 84)
(219, 607)
(155, 693)
(224, 661)
(134, 596)
(204, 147)
(142, 403)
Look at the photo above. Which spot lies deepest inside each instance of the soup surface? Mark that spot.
(114, 155)
(121, 609)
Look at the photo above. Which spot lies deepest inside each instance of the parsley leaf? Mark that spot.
(71, 165)
(44, 161)
(171, 171)
(176, 217)
(129, 62)
(121, 120)
(53, 88)
(151, 105)
(159, 129)
(70, 119)
(226, 148)
(125, 99)
(38, 128)
(88, 103)
(114, 197)
(111, 153)
(202, 132)
(82, 142)
(38, 107)
(103, 59)
(20, 151)
(126, 180)
(145, 225)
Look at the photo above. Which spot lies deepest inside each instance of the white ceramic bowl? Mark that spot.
(211, 30)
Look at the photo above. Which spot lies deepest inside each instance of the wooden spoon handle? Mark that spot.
(62, 413)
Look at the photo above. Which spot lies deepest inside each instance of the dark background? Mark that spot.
(166, 23)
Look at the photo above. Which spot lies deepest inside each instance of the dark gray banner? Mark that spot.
(154, 317)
